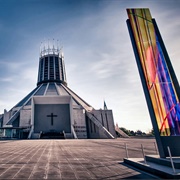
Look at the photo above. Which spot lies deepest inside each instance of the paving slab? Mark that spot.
(72, 159)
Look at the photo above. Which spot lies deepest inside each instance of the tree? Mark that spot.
(132, 133)
(138, 132)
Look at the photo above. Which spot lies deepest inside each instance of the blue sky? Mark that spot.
(99, 58)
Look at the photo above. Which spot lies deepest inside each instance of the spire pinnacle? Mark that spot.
(49, 47)
(105, 107)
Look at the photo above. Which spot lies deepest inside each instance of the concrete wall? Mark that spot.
(6, 117)
(25, 116)
(79, 123)
(92, 129)
(9, 114)
(105, 117)
(60, 123)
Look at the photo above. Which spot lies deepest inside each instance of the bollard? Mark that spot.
(172, 164)
(143, 153)
(127, 156)
(155, 148)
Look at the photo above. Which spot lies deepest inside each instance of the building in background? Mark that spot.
(53, 110)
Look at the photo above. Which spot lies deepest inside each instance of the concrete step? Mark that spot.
(165, 172)
(52, 135)
(164, 161)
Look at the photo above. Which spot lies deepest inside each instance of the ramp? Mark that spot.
(123, 134)
(99, 125)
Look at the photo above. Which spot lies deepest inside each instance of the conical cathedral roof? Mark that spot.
(53, 89)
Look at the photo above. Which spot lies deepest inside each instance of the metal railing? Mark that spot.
(142, 150)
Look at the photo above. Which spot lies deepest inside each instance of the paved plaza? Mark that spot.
(72, 159)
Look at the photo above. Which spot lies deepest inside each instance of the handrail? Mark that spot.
(31, 131)
(74, 133)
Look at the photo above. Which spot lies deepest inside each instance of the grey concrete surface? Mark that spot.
(72, 159)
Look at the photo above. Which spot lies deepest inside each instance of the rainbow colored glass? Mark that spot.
(158, 78)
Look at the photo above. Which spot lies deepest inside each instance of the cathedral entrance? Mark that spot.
(52, 135)
(52, 120)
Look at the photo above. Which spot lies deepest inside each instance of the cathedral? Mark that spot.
(52, 110)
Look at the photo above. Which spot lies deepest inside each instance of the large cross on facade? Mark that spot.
(51, 116)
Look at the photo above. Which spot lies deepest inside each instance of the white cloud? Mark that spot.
(6, 79)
